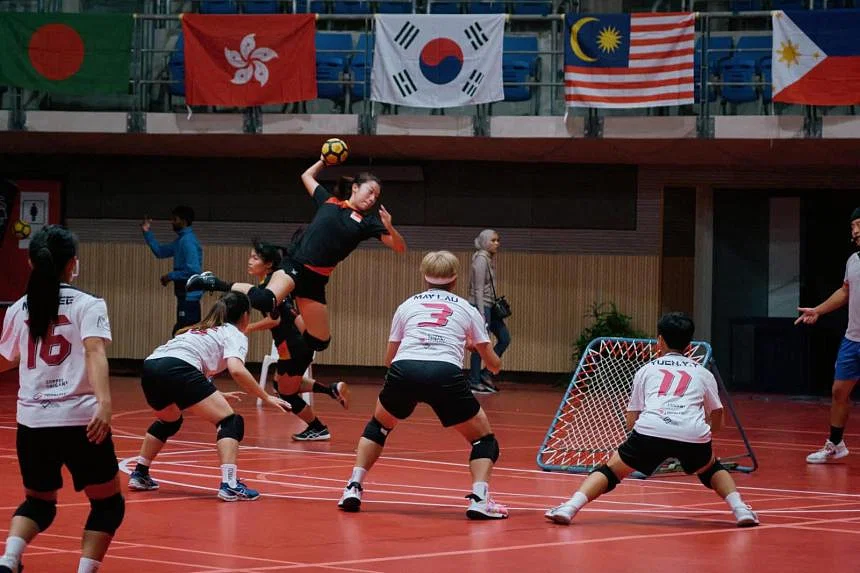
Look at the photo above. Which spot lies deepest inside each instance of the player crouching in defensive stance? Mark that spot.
(176, 377)
(425, 364)
(674, 406)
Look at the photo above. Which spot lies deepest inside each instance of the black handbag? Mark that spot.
(501, 308)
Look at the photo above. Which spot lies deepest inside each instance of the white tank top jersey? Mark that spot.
(54, 389)
(852, 281)
(207, 350)
(673, 394)
(434, 325)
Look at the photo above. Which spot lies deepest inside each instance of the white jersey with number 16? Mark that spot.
(434, 325)
(674, 393)
(54, 387)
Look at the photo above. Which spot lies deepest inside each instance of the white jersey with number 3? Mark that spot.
(673, 394)
(207, 350)
(434, 325)
(54, 388)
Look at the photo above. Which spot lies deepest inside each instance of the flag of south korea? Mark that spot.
(438, 60)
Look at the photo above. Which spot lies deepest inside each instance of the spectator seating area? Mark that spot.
(539, 7)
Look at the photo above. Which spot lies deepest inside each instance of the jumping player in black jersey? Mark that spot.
(338, 227)
(294, 356)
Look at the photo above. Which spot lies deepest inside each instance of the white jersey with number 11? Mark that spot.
(674, 394)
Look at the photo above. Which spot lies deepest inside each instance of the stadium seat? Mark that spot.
(538, 7)
(741, 70)
(333, 53)
(261, 7)
(789, 4)
(479, 7)
(218, 7)
(755, 48)
(746, 5)
(351, 7)
(314, 7)
(395, 7)
(360, 67)
(442, 7)
(176, 69)
(767, 78)
(520, 64)
(719, 49)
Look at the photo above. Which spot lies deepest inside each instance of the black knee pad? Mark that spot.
(262, 299)
(163, 430)
(375, 432)
(610, 475)
(486, 447)
(41, 511)
(315, 343)
(233, 426)
(295, 401)
(706, 476)
(106, 514)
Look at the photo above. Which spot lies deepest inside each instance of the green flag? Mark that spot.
(77, 54)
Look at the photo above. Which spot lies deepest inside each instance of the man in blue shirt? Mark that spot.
(187, 260)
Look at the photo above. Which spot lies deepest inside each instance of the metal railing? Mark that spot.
(151, 87)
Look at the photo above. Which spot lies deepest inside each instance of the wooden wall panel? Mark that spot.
(549, 293)
(678, 284)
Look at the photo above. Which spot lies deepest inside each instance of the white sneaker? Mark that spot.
(745, 516)
(828, 453)
(561, 514)
(485, 509)
(351, 498)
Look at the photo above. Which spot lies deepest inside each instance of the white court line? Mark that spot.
(540, 545)
(549, 475)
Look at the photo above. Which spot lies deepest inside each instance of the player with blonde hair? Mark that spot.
(429, 333)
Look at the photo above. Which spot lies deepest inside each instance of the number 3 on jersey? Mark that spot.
(441, 316)
(669, 378)
(49, 343)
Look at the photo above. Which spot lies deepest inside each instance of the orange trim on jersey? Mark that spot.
(324, 271)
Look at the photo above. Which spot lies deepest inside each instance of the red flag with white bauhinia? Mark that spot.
(249, 60)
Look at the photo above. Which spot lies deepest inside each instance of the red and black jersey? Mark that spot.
(335, 231)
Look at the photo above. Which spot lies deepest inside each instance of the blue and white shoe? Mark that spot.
(239, 493)
(141, 481)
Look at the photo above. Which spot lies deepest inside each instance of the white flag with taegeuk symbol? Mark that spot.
(438, 60)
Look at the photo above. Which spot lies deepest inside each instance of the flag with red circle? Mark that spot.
(76, 54)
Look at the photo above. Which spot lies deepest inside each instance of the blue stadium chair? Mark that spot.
(767, 78)
(316, 7)
(360, 67)
(479, 7)
(741, 70)
(402, 7)
(218, 7)
(755, 48)
(261, 7)
(746, 5)
(537, 7)
(719, 49)
(789, 4)
(697, 79)
(176, 69)
(441, 7)
(351, 7)
(520, 67)
(333, 52)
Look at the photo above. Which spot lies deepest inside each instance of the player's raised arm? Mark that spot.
(309, 177)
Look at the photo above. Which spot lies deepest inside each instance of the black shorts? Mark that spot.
(440, 385)
(645, 453)
(295, 343)
(42, 453)
(309, 284)
(169, 381)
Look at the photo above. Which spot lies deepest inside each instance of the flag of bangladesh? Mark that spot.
(75, 54)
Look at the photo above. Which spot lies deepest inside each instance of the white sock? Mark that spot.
(357, 474)
(228, 474)
(14, 548)
(734, 500)
(144, 461)
(481, 489)
(578, 500)
(87, 565)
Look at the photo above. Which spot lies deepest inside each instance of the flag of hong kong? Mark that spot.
(249, 60)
